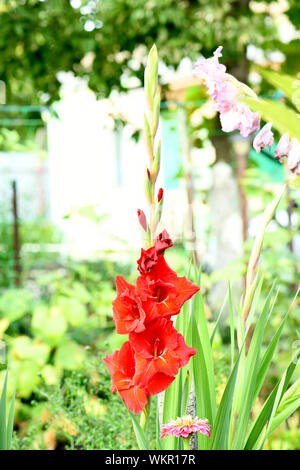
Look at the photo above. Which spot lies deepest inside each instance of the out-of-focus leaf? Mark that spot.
(286, 83)
(70, 356)
(283, 118)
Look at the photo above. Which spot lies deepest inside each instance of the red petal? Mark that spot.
(160, 329)
(111, 362)
(168, 363)
(163, 240)
(145, 370)
(159, 383)
(126, 360)
(128, 313)
(134, 398)
(186, 289)
(147, 260)
(184, 352)
(161, 270)
(123, 285)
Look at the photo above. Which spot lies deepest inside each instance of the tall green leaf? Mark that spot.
(249, 377)
(140, 434)
(3, 429)
(221, 427)
(265, 413)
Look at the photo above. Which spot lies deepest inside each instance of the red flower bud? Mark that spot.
(148, 173)
(160, 194)
(142, 219)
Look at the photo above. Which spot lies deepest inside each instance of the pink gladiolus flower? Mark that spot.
(293, 161)
(265, 138)
(224, 90)
(211, 70)
(250, 122)
(240, 117)
(283, 147)
(183, 427)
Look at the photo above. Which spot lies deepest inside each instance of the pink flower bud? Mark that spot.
(283, 147)
(265, 138)
(142, 219)
(293, 161)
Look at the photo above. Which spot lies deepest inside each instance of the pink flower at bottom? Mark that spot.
(183, 427)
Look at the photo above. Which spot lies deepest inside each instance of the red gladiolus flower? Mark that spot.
(148, 362)
(147, 260)
(162, 242)
(159, 349)
(162, 292)
(164, 299)
(150, 257)
(121, 365)
(128, 313)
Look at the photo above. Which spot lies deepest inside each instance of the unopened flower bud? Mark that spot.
(142, 219)
(160, 195)
(293, 161)
(148, 188)
(265, 138)
(283, 147)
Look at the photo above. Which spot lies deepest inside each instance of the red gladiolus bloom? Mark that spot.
(147, 260)
(148, 362)
(159, 349)
(162, 242)
(164, 298)
(150, 257)
(128, 313)
(121, 365)
(162, 292)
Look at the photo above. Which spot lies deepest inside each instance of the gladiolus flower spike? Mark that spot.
(225, 90)
(148, 363)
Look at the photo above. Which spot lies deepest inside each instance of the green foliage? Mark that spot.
(6, 425)
(101, 40)
(80, 414)
(234, 423)
(39, 232)
(47, 329)
(283, 118)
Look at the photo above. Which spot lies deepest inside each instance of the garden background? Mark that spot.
(72, 160)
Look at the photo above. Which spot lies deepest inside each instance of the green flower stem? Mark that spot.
(151, 122)
(186, 444)
(145, 414)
